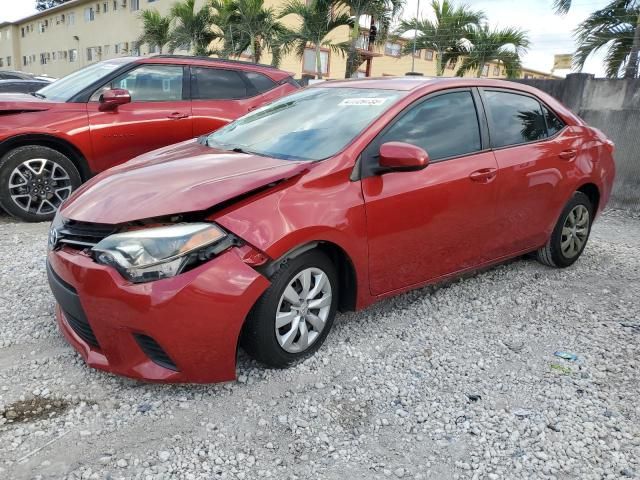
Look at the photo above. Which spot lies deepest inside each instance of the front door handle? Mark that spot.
(177, 115)
(484, 175)
(567, 154)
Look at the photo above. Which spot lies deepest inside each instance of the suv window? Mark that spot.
(216, 84)
(261, 82)
(515, 118)
(445, 126)
(149, 83)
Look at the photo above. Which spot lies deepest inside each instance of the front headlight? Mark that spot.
(159, 252)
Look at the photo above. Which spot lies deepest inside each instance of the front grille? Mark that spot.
(154, 351)
(83, 234)
(82, 329)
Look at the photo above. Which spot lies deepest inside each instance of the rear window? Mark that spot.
(216, 84)
(260, 82)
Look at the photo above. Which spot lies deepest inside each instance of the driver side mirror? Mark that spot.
(402, 157)
(111, 99)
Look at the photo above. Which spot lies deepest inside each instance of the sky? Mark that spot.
(549, 33)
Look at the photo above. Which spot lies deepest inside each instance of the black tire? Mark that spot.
(552, 254)
(18, 201)
(259, 333)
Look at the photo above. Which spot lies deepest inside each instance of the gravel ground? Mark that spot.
(442, 383)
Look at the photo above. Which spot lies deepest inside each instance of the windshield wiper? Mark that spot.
(38, 95)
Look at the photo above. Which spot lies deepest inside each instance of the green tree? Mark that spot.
(382, 11)
(318, 20)
(616, 29)
(225, 19)
(155, 29)
(192, 29)
(484, 45)
(445, 33)
(258, 30)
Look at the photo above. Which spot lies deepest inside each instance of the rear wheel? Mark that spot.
(294, 315)
(570, 235)
(34, 181)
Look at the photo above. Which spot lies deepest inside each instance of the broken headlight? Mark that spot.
(160, 252)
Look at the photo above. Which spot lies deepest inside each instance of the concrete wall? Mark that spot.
(613, 106)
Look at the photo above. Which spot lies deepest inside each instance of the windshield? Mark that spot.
(68, 87)
(313, 124)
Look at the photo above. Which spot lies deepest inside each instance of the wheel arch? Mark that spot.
(592, 191)
(348, 288)
(51, 141)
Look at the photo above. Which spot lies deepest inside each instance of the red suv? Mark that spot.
(331, 198)
(105, 114)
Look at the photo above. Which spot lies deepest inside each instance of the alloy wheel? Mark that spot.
(303, 310)
(575, 231)
(38, 186)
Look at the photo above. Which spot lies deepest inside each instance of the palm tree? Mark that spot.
(192, 28)
(484, 45)
(319, 19)
(382, 11)
(257, 30)
(225, 19)
(615, 28)
(155, 29)
(444, 35)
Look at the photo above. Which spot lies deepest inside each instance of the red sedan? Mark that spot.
(328, 199)
(109, 112)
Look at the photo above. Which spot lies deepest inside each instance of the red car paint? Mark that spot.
(397, 231)
(96, 140)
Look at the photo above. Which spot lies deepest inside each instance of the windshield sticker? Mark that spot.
(362, 101)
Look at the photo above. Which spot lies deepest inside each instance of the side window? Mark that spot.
(216, 84)
(554, 124)
(445, 126)
(149, 83)
(515, 118)
(261, 82)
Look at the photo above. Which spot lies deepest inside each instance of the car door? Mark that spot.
(218, 96)
(425, 224)
(534, 153)
(159, 114)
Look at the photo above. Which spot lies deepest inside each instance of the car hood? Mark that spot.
(186, 177)
(22, 102)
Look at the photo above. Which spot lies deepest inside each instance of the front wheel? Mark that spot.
(294, 315)
(570, 235)
(34, 181)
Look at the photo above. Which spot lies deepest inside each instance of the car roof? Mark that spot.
(5, 81)
(415, 82)
(273, 72)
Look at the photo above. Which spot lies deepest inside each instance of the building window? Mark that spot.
(43, 59)
(451, 65)
(90, 54)
(496, 71)
(309, 62)
(105, 7)
(417, 54)
(73, 55)
(97, 8)
(72, 18)
(115, 5)
(393, 49)
(1, 63)
(8, 61)
(41, 27)
(106, 50)
(89, 14)
(135, 5)
(24, 61)
(485, 70)
(428, 55)
(22, 31)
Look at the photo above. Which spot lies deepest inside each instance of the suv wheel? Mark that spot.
(34, 181)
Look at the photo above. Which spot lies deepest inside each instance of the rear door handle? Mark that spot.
(567, 154)
(177, 115)
(484, 175)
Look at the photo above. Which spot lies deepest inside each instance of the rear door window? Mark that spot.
(260, 82)
(515, 119)
(554, 124)
(217, 84)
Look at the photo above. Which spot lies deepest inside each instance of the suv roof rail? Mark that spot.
(215, 59)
